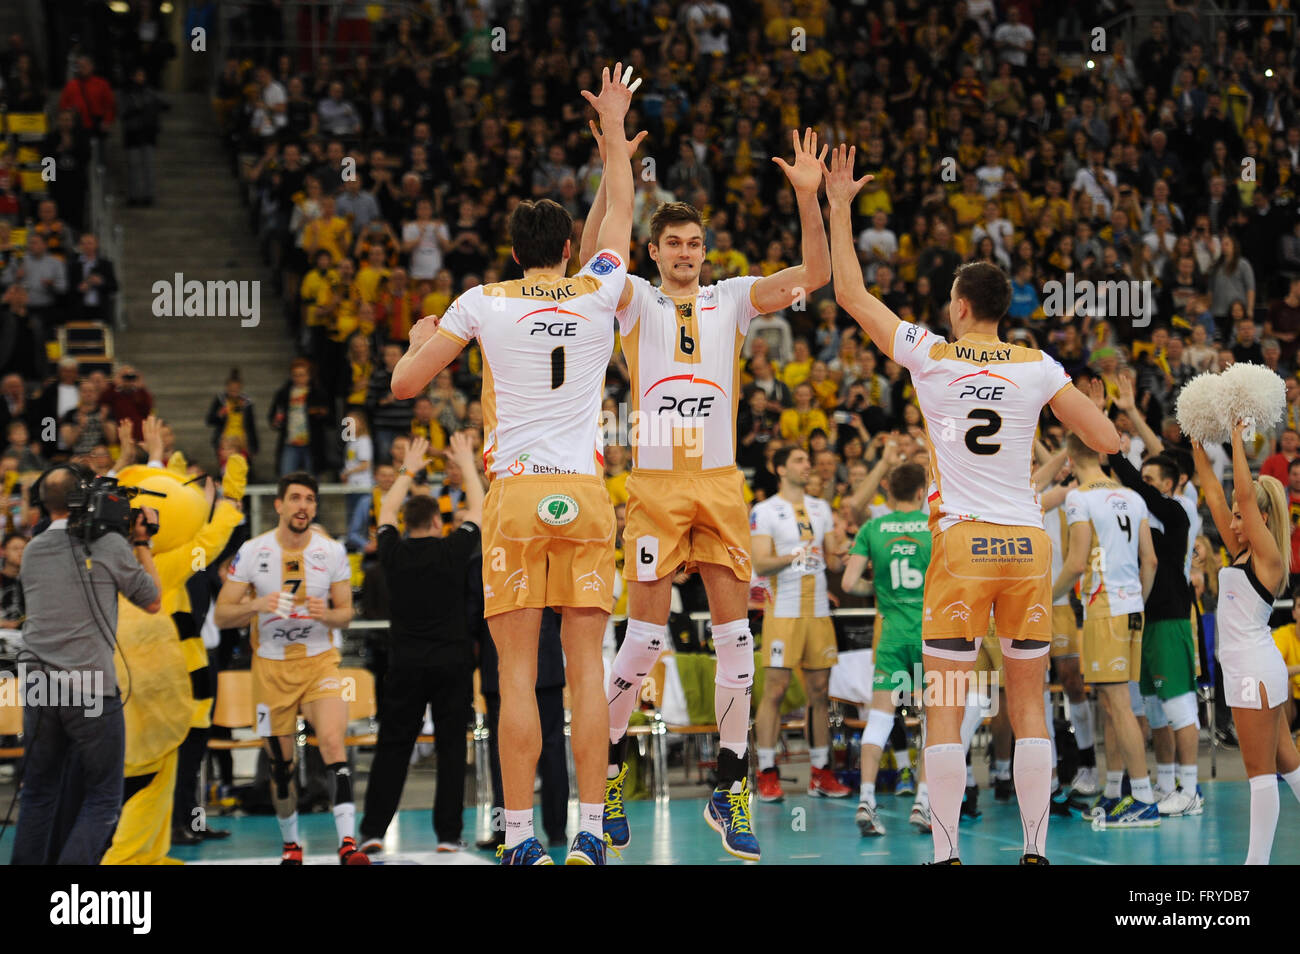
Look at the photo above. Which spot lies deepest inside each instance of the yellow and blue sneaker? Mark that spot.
(527, 852)
(1129, 813)
(727, 811)
(906, 783)
(616, 827)
(587, 849)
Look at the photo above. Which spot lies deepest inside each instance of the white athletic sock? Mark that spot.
(1002, 768)
(519, 827)
(1263, 818)
(642, 645)
(820, 756)
(1113, 782)
(1142, 789)
(766, 759)
(923, 794)
(868, 793)
(970, 721)
(1165, 776)
(591, 818)
(1051, 726)
(1292, 778)
(944, 766)
(1034, 791)
(289, 828)
(1081, 719)
(904, 758)
(1187, 775)
(345, 820)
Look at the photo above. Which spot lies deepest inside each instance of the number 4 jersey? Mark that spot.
(1112, 582)
(981, 398)
(546, 343)
(898, 546)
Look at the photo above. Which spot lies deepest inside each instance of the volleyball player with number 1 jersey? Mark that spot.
(548, 525)
(981, 399)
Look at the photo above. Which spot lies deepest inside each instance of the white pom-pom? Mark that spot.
(1201, 411)
(1252, 392)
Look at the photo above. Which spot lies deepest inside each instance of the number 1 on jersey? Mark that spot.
(557, 367)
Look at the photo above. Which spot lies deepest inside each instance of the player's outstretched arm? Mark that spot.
(1127, 402)
(596, 215)
(615, 230)
(850, 291)
(855, 567)
(461, 448)
(1072, 565)
(415, 461)
(1147, 559)
(1083, 414)
(429, 353)
(782, 289)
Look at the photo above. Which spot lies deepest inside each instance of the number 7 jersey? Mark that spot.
(546, 344)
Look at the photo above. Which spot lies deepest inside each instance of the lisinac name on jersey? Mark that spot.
(546, 343)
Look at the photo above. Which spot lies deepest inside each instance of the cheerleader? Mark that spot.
(1256, 530)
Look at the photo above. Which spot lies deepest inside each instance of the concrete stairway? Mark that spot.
(197, 227)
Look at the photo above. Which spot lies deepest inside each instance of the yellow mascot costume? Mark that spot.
(164, 672)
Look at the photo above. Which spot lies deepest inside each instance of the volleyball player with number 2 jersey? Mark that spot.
(981, 399)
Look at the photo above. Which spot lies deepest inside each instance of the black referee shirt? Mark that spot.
(426, 587)
(1171, 594)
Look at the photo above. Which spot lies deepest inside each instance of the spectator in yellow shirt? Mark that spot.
(797, 370)
(1288, 644)
(373, 273)
(330, 231)
(728, 261)
(798, 422)
(439, 295)
(968, 204)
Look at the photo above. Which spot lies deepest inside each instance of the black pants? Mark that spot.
(551, 765)
(407, 690)
(189, 760)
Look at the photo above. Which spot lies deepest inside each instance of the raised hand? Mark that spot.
(416, 455)
(632, 144)
(423, 330)
(806, 172)
(841, 187)
(153, 442)
(615, 93)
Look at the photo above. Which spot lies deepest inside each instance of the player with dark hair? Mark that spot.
(981, 399)
(292, 586)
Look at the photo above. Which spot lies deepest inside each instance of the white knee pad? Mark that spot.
(641, 647)
(1156, 713)
(879, 725)
(1181, 711)
(735, 650)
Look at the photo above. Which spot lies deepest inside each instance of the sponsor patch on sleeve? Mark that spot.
(604, 263)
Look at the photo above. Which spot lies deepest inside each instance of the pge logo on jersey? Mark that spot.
(556, 510)
(604, 263)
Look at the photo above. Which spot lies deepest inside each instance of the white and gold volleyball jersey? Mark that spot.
(1112, 582)
(1059, 533)
(546, 343)
(683, 355)
(268, 568)
(981, 398)
(798, 590)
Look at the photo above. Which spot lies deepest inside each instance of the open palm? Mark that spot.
(806, 172)
(841, 187)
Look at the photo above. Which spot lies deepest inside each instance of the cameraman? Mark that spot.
(71, 591)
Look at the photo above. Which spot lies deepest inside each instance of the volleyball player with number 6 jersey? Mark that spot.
(686, 504)
(981, 399)
(548, 525)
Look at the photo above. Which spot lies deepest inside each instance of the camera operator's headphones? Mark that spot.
(78, 493)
